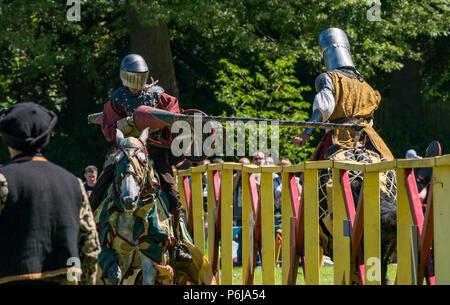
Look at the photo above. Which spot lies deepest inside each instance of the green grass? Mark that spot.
(326, 275)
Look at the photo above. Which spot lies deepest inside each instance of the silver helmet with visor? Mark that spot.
(134, 71)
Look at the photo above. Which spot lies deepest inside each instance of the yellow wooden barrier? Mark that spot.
(226, 227)
(311, 235)
(248, 221)
(211, 199)
(341, 243)
(267, 229)
(287, 214)
(372, 252)
(197, 209)
(404, 222)
(441, 181)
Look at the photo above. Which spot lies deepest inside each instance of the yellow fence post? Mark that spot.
(286, 213)
(248, 221)
(226, 238)
(211, 210)
(311, 210)
(372, 248)
(341, 243)
(267, 227)
(246, 210)
(441, 191)
(404, 222)
(197, 208)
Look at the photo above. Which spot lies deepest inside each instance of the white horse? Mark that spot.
(132, 200)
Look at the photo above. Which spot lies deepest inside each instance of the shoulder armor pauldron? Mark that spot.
(155, 93)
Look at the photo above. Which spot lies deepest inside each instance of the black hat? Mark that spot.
(27, 126)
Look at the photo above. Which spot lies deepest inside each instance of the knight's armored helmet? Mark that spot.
(335, 49)
(134, 71)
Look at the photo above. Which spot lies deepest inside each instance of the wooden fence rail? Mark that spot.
(423, 239)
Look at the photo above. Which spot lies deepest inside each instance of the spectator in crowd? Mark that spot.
(286, 162)
(412, 154)
(218, 160)
(258, 158)
(237, 194)
(90, 173)
(276, 191)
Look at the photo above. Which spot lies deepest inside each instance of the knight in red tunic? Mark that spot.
(118, 113)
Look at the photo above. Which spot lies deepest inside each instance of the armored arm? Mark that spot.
(324, 99)
(323, 106)
(324, 103)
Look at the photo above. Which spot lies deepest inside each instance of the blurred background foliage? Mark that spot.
(238, 58)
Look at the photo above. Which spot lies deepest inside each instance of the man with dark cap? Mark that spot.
(118, 113)
(344, 97)
(47, 229)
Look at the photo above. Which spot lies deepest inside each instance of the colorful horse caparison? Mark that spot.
(135, 226)
(134, 223)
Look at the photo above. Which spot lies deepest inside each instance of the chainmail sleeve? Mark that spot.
(324, 100)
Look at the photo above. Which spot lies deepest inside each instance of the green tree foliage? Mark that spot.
(67, 66)
(272, 92)
(241, 30)
(71, 66)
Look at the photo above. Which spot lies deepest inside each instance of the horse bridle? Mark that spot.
(135, 171)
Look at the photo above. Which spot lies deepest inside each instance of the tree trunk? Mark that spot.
(152, 42)
(79, 96)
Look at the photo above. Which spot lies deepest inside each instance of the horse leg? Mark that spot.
(148, 271)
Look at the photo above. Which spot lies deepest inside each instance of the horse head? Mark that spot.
(131, 169)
